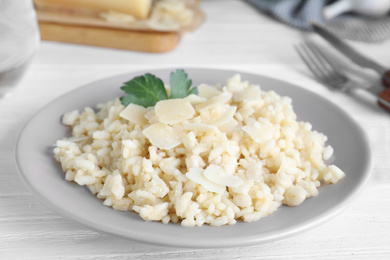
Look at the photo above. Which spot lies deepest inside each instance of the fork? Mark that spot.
(323, 68)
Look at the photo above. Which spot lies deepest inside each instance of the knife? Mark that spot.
(358, 58)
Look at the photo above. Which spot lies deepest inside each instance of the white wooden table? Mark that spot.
(234, 36)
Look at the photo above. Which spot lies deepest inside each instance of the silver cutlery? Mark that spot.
(351, 53)
(358, 58)
(323, 68)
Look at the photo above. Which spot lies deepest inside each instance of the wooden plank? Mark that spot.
(142, 41)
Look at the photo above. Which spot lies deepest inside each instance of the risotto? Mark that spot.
(232, 152)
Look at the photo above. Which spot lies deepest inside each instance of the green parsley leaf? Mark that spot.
(144, 90)
(180, 85)
(193, 90)
(147, 90)
(126, 100)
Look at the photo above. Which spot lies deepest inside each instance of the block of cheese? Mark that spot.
(140, 9)
(91, 22)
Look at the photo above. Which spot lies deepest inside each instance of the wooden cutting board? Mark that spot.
(143, 41)
(93, 30)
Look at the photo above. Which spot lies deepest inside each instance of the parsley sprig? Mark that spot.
(147, 90)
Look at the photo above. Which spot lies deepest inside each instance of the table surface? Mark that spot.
(234, 36)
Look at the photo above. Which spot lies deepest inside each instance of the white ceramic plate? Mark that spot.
(43, 175)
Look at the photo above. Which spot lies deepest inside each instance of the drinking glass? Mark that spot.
(19, 39)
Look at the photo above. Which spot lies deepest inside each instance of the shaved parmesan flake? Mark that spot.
(226, 114)
(228, 127)
(261, 130)
(195, 99)
(162, 136)
(207, 91)
(196, 175)
(252, 92)
(218, 175)
(201, 127)
(135, 114)
(172, 111)
(215, 101)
